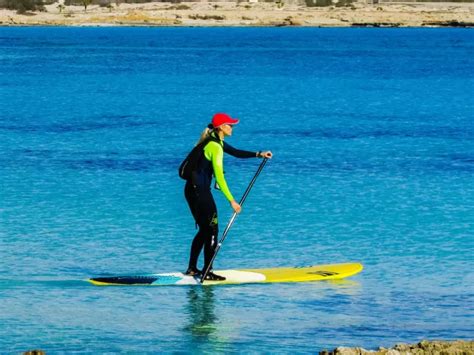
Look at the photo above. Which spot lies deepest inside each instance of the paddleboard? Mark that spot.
(286, 274)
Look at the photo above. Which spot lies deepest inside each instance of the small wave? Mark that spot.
(43, 281)
(357, 133)
(84, 127)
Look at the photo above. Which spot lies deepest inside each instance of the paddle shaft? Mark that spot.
(232, 219)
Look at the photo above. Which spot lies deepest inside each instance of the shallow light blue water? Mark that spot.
(373, 136)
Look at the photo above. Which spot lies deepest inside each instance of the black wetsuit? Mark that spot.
(203, 207)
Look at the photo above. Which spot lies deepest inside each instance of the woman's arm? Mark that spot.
(239, 153)
(245, 153)
(214, 152)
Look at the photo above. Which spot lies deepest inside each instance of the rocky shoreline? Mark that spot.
(249, 14)
(425, 347)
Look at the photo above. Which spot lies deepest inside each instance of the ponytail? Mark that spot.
(206, 133)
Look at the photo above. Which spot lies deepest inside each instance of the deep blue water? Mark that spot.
(373, 136)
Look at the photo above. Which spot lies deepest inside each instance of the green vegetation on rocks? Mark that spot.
(23, 6)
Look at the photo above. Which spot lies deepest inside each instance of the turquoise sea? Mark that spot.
(373, 138)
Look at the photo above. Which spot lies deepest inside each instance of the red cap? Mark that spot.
(222, 118)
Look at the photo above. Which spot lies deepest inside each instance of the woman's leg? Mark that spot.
(198, 241)
(196, 247)
(207, 222)
(211, 237)
(204, 210)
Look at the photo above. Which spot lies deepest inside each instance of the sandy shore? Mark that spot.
(249, 14)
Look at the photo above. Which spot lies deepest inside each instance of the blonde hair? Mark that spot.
(206, 133)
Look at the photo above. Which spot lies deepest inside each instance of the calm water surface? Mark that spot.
(373, 136)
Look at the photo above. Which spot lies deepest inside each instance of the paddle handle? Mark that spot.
(232, 219)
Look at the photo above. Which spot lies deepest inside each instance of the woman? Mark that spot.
(198, 189)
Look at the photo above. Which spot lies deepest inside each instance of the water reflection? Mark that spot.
(346, 286)
(200, 309)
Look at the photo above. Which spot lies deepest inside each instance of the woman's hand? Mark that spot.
(235, 206)
(267, 154)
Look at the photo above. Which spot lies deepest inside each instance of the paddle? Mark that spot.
(231, 222)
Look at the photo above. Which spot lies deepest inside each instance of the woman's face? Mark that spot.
(227, 129)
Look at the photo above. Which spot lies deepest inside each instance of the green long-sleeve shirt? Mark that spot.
(214, 152)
